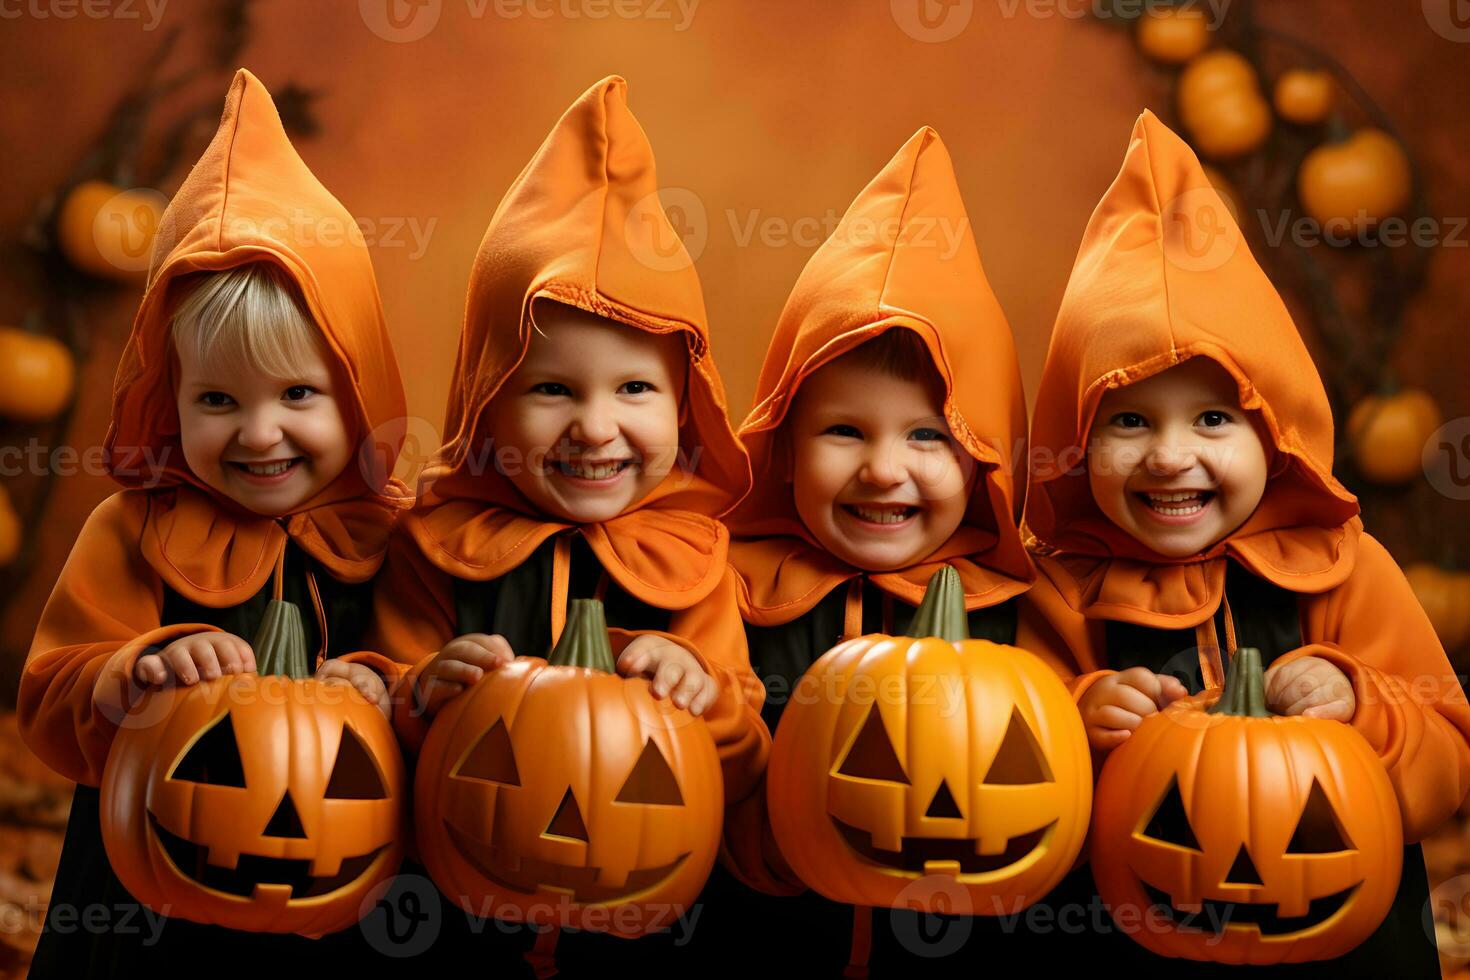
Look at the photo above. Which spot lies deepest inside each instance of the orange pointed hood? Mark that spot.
(904, 257)
(250, 198)
(1164, 274)
(582, 225)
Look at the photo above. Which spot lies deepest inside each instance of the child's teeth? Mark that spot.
(882, 515)
(268, 469)
(600, 471)
(1177, 504)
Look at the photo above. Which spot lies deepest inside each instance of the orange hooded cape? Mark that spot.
(903, 257)
(582, 225)
(1163, 275)
(249, 198)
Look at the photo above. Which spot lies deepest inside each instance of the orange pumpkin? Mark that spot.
(108, 232)
(555, 790)
(1173, 35)
(1304, 96)
(37, 375)
(906, 768)
(1221, 105)
(1445, 595)
(10, 530)
(1246, 837)
(261, 802)
(1360, 180)
(1388, 433)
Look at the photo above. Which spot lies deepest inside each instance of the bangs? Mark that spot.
(246, 319)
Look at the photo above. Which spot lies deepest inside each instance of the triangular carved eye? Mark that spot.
(1319, 831)
(568, 820)
(1170, 822)
(1019, 760)
(493, 758)
(871, 754)
(651, 781)
(354, 775)
(214, 758)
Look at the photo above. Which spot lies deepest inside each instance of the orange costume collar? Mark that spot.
(238, 205)
(857, 285)
(582, 225)
(1164, 274)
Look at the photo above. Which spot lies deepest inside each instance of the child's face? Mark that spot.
(269, 444)
(1175, 461)
(875, 473)
(589, 422)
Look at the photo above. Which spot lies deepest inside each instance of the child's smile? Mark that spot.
(1174, 461)
(588, 424)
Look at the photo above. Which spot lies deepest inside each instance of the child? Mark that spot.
(256, 366)
(588, 454)
(889, 422)
(1207, 518)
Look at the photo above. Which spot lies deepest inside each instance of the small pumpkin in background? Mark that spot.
(1445, 595)
(1304, 96)
(1388, 432)
(10, 530)
(1216, 811)
(916, 765)
(1173, 35)
(107, 232)
(266, 802)
(37, 375)
(1361, 179)
(1220, 102)
(557, 789)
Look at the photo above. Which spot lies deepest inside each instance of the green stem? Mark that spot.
(1245, 687)
(584, 641)
(280, 642)
(942, 613)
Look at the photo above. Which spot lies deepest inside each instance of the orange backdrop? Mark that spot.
(767, 117)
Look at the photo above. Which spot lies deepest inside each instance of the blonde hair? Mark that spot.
(251, 317)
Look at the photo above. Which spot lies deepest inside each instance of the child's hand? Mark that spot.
(672, 669)
(199, 656)
(1114, 706)
(462, 662)
(365, 679)
(1312, 687)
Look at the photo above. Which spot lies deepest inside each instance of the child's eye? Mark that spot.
(927, 435)
(551, 388)
(1129, 420)
(216, 399)
(636, 387)
(845, 431)
(297, 393)
(1213, 420)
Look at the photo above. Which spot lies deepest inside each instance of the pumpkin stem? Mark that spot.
(942, 613)
(1245, 687)
(280, 642)
(584, 641)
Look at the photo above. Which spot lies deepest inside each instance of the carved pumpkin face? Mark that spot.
(256, 803)
(568, 794)
(1285, 831)
(900, 759)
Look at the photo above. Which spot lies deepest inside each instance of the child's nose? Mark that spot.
(1169, 458)
(260, 431)
(593, 425)
(883, 468)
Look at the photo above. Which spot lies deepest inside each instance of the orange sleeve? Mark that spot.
(1070, 643)
(103, 614)
(413, 617)
(712, 631)
(1411, 707)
